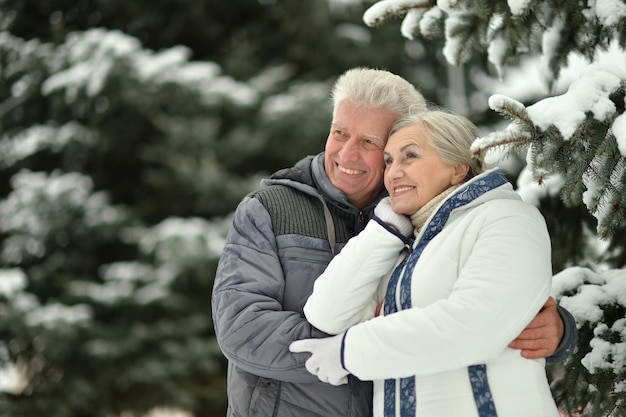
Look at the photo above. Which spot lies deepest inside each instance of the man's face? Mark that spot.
(354, 151)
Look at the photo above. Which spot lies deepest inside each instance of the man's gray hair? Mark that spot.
(378, 89)
(451, 135)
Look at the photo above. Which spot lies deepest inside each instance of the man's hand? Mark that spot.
(543, 334)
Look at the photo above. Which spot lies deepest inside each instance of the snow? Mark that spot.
(496, 53)
(605, 355)
(549, 44)
(126, 271)
(453, 49)
(532, 192)
(108, 294)
(41, 137)
(379, 11)
(518, 7)
(589, 93)
(428, 24)
(176, 239)
(411, 23)
(33, 188)
(11, 281)
(619, 130)
(96, 54)
(50, 315)
(525, 82)
(610, 12)
(297, 97)
(584, 293)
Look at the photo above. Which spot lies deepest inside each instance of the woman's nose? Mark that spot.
(393, 171)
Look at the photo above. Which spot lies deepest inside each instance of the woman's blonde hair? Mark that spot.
(451, 135)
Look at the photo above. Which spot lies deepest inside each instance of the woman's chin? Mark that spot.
(402, 209)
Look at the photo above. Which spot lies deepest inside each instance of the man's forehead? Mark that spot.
(377, 131)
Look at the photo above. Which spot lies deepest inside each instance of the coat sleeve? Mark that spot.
(347, 292)
(502, 284)
(252, 329)
(569, 340)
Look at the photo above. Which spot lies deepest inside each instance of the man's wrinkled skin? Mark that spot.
(533, 348)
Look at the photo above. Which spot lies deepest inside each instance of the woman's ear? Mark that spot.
(460, 172)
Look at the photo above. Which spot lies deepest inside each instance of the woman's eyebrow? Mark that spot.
(409, 145)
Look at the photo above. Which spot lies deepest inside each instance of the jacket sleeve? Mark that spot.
(501, 285)
(347, 292)
(569, 340)
(252, 329)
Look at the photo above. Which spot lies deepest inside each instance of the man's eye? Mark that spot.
(371, 144)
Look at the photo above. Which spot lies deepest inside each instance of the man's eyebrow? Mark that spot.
(371, 135)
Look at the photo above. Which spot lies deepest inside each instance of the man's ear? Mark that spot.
(460, 172)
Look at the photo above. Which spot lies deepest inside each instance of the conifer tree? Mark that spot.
(103, 297)
(576, 161)
(123, 149)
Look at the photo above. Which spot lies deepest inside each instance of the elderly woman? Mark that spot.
(476, 273)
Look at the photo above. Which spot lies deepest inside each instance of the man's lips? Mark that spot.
(349, 171)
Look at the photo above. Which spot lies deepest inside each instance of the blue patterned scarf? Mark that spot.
(401, 281)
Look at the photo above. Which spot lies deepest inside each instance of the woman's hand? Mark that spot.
(399, 222)
(325, 360)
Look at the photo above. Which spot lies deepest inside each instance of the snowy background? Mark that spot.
(131, 131)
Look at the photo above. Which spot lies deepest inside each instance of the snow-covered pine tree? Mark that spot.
(104, 285)
(576, 151)
(578, 141)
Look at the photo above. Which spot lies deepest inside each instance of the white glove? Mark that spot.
(325, 360)
(400, 222)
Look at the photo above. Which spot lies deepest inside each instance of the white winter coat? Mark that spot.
(476, 285)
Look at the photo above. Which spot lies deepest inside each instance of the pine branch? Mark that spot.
(384, 10)
(508, 139)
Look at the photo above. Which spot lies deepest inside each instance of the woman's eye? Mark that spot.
(411, 155)
(388, 161)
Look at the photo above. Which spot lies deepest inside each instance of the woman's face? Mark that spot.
(414, 171)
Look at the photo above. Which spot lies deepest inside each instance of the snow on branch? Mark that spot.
(386, 9)
(505, 30)
(91, 60)
(597, 300)
(578, 135)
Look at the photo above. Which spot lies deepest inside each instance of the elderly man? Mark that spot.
(285, 234)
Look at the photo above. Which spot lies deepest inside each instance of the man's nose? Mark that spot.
(350, 150)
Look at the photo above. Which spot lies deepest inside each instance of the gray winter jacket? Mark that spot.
(282, 238)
